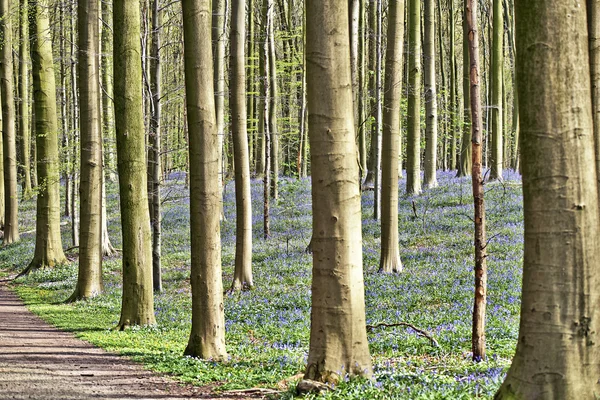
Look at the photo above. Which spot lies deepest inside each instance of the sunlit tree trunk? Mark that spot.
(390, 253)
(219, 11)
(242, 278)
(593, 13)
(431, 114)
(338, 340)
(557, 355)
(138, 301)
(48, 243)
(497, 79)
(9, 137)
(24, 133)
(273, 95)
(207, 337)
(89, 277)
(413, 135)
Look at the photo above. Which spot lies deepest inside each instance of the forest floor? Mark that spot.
(39, 361)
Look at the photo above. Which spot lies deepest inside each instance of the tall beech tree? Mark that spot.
(465, 159)
(89, 278)
(390, 253)
(242, 277)
(338, 337)
(9, 137)
(207, 337)
(48, 242)
(413, 134)
(593, 13)
(557, 353)
(478, 332)
(137, 306)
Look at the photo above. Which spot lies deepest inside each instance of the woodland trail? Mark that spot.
(38, 361)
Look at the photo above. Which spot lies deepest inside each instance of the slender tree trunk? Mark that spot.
(338, 340)
(242, 278)
(453, 109)
(48, 243)
(478, 336)
(9, 137)
(497, 75)
(219, 12)
(557, 354)
(273, 95)
(390, 253)
(266, 115)
(413, 142)
(207, 337)
(138, 301)
(154, 144)
(465, 165)
(372, 167)
(362, 93)
(89, 277)
(108, 119)
(377, 137)
(431, 114)
(24, 132)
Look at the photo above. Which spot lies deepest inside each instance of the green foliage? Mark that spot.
(268, 328)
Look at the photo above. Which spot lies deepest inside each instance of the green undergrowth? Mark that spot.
(268, 327)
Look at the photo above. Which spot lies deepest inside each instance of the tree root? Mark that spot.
(419, 332)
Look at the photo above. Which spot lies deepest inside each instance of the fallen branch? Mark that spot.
(252, 391)
(420, 332)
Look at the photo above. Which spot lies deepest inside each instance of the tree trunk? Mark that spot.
(273, 94)
(24, 133)
(593, 13)
(138, 301)
(219, 12)
(377, 134)
(266, 116)
(390, 253)
(557, 353)
(413, 140)
(48, 243)
(89, 277)
(338, 340)
(497, 75)
(9, 137)
(154, 145)
(465, 163)
(108, 112)
(431, 114)
(242, 278)
(453, 103)
(207, 337)
(478, 335)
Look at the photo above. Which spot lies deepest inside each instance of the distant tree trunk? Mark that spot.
(154, 145)
(413, 141)
(24, 133)
(338, 340)
(207, 337)
(9, 137)
(465, 163)
(138, 301)
(453, 95)
(219, 12)
(377, 138)
(431, 114)
(497, 75)
(478, 338)
(242, 278)
(273, 95)
(390, 253)
(48, 243)
(362, 93)
(108, 112)
(266, 115)
(89, 277)
(557, 350)
(372, 168)
(108, 119)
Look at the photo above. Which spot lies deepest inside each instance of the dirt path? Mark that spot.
(38, 361)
